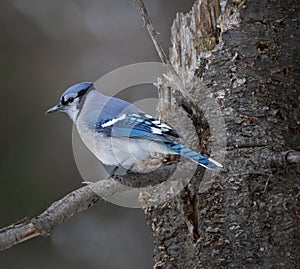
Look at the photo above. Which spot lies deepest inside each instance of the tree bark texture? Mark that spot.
(248, 217)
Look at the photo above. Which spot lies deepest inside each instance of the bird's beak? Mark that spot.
(56, 108)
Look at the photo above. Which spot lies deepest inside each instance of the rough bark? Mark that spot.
(248, 217)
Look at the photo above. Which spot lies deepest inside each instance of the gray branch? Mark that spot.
(152, 32)
(77, 201)
(177, 81)
(57, 213)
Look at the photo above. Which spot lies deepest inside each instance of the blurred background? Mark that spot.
(46, 46)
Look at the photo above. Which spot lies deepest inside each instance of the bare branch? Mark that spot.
(57, 213)
(178, 84)
(77, 201)
(272, 158)
(152, 32)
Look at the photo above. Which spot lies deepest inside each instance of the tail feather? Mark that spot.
(194, 156)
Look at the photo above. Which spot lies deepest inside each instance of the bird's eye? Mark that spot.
(70, 99)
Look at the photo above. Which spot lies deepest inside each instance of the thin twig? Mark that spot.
(179, 84)
(152, 32)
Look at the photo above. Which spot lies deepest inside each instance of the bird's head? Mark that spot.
(71, 100)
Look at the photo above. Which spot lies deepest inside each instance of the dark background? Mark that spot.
(46, 46)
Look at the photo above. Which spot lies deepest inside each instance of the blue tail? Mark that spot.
(194, 156)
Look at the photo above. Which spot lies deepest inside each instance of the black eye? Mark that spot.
(70, 99)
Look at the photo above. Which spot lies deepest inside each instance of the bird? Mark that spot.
(118, 133)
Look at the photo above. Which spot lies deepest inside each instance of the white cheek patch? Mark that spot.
(113, 121)
(72, 111)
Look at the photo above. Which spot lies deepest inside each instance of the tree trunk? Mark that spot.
(246, 215)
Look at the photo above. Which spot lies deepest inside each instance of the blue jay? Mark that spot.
(117, 132)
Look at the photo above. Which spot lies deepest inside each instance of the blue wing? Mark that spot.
(119, 118)
(136, 125)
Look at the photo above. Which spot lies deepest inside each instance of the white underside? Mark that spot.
(122, 152)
